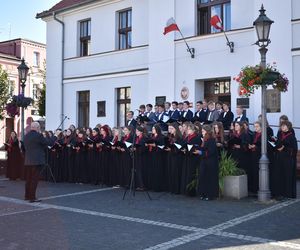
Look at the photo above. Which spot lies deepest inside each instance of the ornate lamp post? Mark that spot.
(23, 71)
(262, 25)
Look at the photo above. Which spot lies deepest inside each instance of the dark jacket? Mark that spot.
(186, 116)
(241, 118)
(226, 118)
(35, 145)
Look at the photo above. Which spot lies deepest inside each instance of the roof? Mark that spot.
(23, 40)
(63, 5)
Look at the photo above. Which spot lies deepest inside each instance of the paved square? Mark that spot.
(73, 216)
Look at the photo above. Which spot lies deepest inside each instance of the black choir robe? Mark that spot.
(208, 176)
(191, 163)
(283, 181)
(174, 164)
(156, 164)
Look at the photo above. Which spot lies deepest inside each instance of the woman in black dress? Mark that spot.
(105, 155)
(255, 151)
(218, 132)
(56, 156)
(115, 157)
(156, 158)
(208, 177)
(174, 158)
(80, 160)
(95, 157)
(191, 161)
(284, 182)
(238, 147)
(126, 156)
(140, 156)
(15, 159)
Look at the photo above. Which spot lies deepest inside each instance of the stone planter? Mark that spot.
(235, 186)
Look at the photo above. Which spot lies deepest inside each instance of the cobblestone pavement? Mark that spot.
(74, 216)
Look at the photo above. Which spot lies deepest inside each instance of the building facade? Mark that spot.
(107, 57)
(34, 54)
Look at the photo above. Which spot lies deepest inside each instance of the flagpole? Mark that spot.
(230, 44)
(191, 50)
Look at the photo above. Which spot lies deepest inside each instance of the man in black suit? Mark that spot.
(151, 116)
(174, 113)
(35, 146)
(226, 116)
(130, 120)
(187, 115)
(240, 115)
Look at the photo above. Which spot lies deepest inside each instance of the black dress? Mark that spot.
(255, 157)
(241, 155)
(106, 160)
(208, 181)
(190, 165)
(114, 169)
(15, 160)
(125, 162)
(283, 181)
(80, 162)
(156, 164)
(56, 156)
(174, 164)
(140, 161)
(96, 167)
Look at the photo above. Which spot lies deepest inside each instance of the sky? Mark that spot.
(17, 19)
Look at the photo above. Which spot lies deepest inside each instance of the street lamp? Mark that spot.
(23, 71)
(263, 25)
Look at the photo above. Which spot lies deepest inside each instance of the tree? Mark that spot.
(4, 91)
(41, 102)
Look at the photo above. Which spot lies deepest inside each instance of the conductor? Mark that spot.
(35, 145)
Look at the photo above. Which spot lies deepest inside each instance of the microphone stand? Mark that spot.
(62, 122)
(133, 175)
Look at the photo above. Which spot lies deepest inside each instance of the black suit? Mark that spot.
(241, 118)
(186, 115)
(226, 118)
(131, 123)
(35, 146)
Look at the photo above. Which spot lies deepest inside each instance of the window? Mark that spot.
(85, 37)
(124, 30)
(35, 90)
(123, 104)
(83, 109)
(101, 109)
(217, 90)
(36, 59)
(209, 8)
(11, 87)
(160, 100)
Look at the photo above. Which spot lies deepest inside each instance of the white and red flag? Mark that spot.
(216, 22)
(171, 26)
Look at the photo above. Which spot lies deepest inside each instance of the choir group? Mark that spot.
(172, 148)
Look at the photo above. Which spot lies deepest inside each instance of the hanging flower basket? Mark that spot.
(12, 109)
(251, 78)
(18, 101)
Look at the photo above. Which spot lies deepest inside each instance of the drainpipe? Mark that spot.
(62, 68)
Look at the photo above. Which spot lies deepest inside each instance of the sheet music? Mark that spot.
(272, 144)
(128, 144)
(189, 147)
(165, 119)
